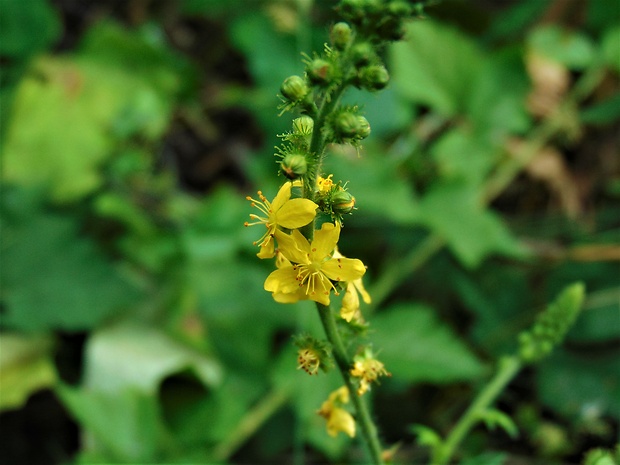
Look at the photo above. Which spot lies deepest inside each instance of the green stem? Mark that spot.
(251, 422)
(508, 369)
(364, 421)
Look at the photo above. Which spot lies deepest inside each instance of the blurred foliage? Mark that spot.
(130, 137)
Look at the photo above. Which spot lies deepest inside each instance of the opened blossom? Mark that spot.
(283, 212)
(338, 419)
(312, 268)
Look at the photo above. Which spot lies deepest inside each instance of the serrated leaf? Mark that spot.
(417, 346)
(26, 365)
(493, 418)
(454, 212)
(435, 66)
(80, 106)
(54, 278)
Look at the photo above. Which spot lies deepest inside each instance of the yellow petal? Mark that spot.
(282, 280)
(325, 241)
(340, 420)
(289, 298)
(293, 246)
(266, 250)
(343, 269)
(283, 195)
(296, 213)
(362, 290)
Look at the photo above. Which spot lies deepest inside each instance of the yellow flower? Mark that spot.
(283, 212)
(367, 369)
(338, 419)
(325, 185)
(351, 302)
(308, 360)
(312, 268)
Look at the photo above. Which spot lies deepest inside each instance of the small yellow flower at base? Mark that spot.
(283, 212)
(312, 268)
(308, 360)
(367, 369)
(350, 309)
(338, 419)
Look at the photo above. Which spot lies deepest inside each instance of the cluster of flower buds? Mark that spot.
(551, 325)
(367, 369)
(296, 150)
(379, 20)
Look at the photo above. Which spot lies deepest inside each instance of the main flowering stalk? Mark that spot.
(303, 223)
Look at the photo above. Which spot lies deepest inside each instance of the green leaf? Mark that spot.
(455, 213)
(54, 278)
(426, 436)
(126, 425)
(611, 48)
(493, 418)
(26, 366)
(435, 66)
(572, 49)
(605, 112)
(419, 347)
(594, 382)
(139, 357)
(27, 27)
(80, 107)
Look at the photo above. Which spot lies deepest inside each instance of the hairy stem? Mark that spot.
(508, 369)
(364, 421)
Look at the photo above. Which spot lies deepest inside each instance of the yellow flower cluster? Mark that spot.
(306, 270)
(338, 419)
(367, 369)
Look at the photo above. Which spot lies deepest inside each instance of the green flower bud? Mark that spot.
(294, 88)
(320, 71)
(364, 127)
(551, 325)
(399, 9)
(374, 77)
(342, 202)
(347, 125)
(294, 165)
(303, 125)
(340, 35)
(362, 54)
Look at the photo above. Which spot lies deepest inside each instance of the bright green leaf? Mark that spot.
(454, 212)
(572, 49)
(611, 48)
(426, 436)
(26, 365)
(493, 418)
(435, 66)
(419, 347)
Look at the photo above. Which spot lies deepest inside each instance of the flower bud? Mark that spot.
(343, 202)
(374, 77)
(294, 88)
(362, 54)
(340, 35)
(294, 165)
(303, 125)
(364, 127)
(320, 71)
(347, 125)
